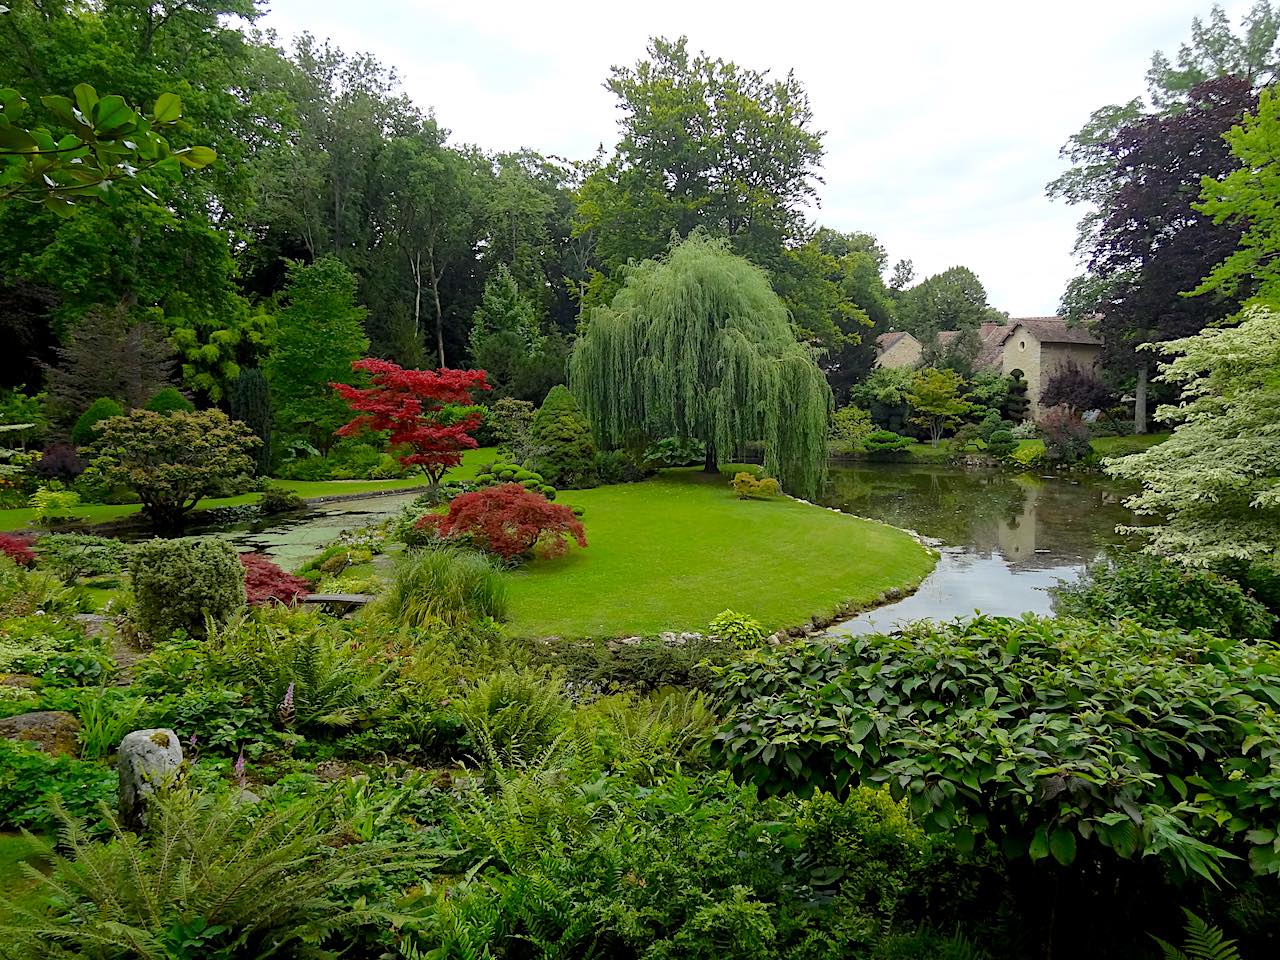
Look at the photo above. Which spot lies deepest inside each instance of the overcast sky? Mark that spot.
(943, 120)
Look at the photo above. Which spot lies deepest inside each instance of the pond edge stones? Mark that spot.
(147, 759)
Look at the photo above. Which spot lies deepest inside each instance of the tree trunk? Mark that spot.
(415, 266)
(1140, 401)
(709, 464)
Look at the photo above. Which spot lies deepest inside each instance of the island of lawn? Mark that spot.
(672, 552)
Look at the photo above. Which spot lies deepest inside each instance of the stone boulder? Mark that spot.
(147, 759)
(53, 731)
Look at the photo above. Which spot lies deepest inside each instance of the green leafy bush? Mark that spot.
(180, 583)
(675, 452)
(1008, 728)
(850, 425)
(168, 400)
(1160, 593)
(53, 504)
(621, 466)
(276, 500)
(643, 665)
(106, 714)
(443, 584)
(737, 628)
(74, 555)
(33, 782)
(85, 430)
(566, 452)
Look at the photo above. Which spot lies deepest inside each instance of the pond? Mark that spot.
(1004, 538)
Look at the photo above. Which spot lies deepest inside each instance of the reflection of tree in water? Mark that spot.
(1031, 521)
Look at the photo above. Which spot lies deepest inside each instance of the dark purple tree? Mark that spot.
(1152, 246)
(1074, 387)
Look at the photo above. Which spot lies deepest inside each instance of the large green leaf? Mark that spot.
(168, 108)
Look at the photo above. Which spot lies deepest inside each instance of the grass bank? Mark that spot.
(674, 551)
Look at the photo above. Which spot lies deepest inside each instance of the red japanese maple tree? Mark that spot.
(509, 520)
(264, 581)
(420, 410)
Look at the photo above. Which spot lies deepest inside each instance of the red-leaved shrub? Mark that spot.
(264, 581)
(509, 520)
(17, 549)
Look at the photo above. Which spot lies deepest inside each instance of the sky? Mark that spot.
(942, 120)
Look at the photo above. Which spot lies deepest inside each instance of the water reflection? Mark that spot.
(1003, 537)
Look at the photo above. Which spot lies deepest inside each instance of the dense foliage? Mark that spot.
(265, 582)
(564, 451)
(1160, 593)
(1004, 728)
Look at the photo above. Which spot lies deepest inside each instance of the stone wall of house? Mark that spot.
(1040, 361)
(907, 352)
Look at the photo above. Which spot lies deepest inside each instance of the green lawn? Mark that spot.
(672, 552)
(21, 519)
(1111, 446)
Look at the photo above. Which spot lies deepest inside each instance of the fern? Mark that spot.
(227, 874)
(1203, 941)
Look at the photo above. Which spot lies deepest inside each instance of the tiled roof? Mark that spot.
(1056, 330)
(887, 340)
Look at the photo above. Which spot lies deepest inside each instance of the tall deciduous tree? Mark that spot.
(704, 143)
(319, 335)
(954, 299)
(1249, 196)
(697, 345)
(1213, 488)
(430, 412)
(1152, 244)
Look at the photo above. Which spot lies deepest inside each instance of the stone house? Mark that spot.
(1038, 346)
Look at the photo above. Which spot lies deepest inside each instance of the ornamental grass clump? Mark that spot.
(443, 584)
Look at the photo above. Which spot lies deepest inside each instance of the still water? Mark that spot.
(1003, 538)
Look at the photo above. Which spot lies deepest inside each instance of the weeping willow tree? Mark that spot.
(697, 345)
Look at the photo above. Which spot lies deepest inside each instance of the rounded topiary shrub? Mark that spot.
(169, 400)
(178, 583)
(1001, 444)
(85, 430)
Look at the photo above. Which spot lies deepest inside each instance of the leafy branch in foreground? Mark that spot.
(108, 143)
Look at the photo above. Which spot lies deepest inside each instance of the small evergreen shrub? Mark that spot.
(620, 466)
(1160, 593)
(265, 582)
(178, 583)
(499, 473)
(566, 452)
(85, 430)
(168, 400)
(1001, 444)
(750, 487)
(276, 500)
(885, 445)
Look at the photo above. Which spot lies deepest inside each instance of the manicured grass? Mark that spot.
(21, 519)
(1121, 446)
(674, 551)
